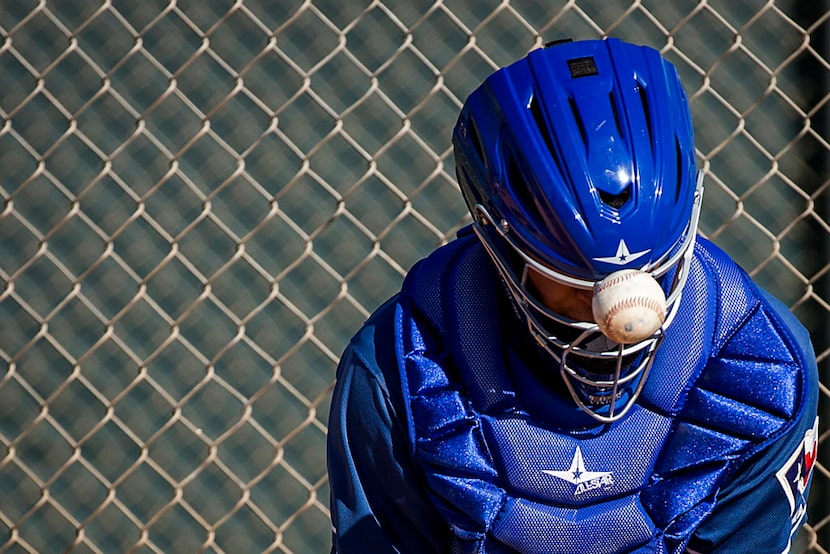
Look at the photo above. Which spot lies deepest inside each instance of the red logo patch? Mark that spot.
(795, 475)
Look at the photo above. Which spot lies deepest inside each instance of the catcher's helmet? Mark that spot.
(578, 161)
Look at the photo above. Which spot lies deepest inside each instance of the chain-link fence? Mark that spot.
(202, 200)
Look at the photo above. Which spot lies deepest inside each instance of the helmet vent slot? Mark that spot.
(678, 153)
(641, 89)
(475, 139)
(616, 201)
(519, 185)
(580, 123)
(612, 100)
(541, 124)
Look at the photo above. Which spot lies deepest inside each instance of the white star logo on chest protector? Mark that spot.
(623, 255)
(578, 475)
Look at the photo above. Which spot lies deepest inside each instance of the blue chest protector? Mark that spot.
(505, 463)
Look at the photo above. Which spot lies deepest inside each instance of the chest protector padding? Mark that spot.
(507, 479)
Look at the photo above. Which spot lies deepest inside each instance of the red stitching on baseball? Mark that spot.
(615, 280)
(636, 301)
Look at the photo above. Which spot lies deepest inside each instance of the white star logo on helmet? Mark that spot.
(623, 256)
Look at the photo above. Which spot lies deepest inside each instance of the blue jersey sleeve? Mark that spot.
(378, 502)
(765, 504)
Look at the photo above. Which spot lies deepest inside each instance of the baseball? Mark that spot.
(628, 306)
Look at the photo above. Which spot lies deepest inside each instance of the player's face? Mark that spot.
(567, 301)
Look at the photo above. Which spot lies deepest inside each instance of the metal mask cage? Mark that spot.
(631, 362)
